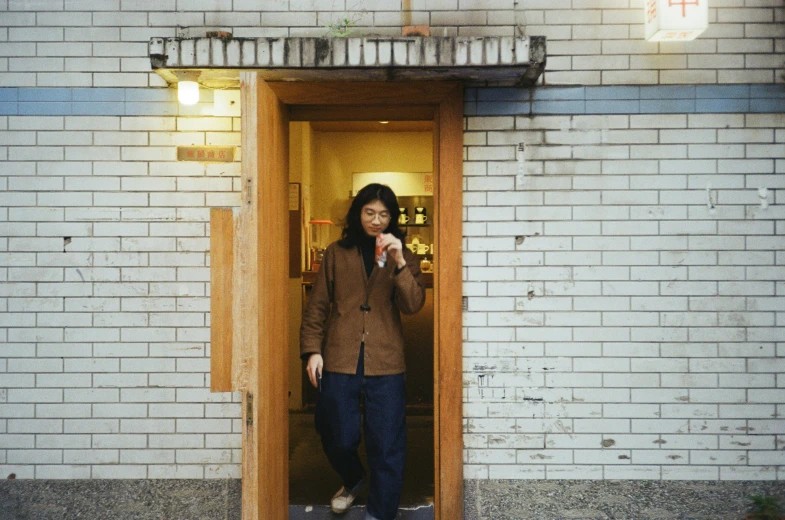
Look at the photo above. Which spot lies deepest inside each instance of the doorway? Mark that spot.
(261, 287)
(328, 162)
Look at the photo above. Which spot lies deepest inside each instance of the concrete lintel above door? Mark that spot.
(502, 60)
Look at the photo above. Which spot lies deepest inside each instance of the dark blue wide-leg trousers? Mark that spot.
(338, 423)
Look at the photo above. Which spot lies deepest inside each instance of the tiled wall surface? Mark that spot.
(104, 297)
(625, 275)
(617, 327)
(82, 43)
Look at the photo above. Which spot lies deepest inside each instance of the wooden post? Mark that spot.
(261, 309)
(448, 337)
(245, 308)
(272, 137)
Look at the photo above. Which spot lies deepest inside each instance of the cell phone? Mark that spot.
(319, 380)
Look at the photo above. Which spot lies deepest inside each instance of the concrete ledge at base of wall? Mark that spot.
(613, 499)
(120, 499)
(149, 500)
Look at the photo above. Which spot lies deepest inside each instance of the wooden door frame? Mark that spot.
(266, 110)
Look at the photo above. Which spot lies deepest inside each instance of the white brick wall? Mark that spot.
(649, 348)
(650, 339)
(104, 336)
(632, 334)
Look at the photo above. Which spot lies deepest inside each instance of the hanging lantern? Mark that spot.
(675, 20)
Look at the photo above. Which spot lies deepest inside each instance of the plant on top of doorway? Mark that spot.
(347, 25)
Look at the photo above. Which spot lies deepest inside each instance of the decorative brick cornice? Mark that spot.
(504, 59)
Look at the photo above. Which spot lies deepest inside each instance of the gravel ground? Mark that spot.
(616, 500)
(484, 500)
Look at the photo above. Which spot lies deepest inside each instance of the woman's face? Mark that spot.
(375, 218)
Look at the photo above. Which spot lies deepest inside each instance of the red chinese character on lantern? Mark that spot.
(651, 10)
(683, 4)
(211, 154)
(200, 154)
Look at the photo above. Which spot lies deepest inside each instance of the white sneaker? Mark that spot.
(342, 501)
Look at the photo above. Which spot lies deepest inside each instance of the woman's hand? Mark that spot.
(315, 363)
(394, 249)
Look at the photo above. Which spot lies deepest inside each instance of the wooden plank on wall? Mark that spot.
(221, 265)
(449, 299)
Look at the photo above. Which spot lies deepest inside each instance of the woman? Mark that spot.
(351, 336)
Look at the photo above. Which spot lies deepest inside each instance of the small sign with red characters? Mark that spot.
(219, 154)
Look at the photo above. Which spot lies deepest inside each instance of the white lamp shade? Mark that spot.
(675, 20)
(188, 92)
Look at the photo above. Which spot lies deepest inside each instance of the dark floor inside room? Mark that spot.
(313, 482)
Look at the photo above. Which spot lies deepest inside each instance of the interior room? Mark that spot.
(328, 163)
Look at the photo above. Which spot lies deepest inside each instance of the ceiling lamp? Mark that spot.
(675, 20)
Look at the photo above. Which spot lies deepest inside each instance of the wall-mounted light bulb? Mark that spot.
(188, 92)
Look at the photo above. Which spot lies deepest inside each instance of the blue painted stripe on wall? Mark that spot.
(484, 101)
(708, 106)
(767, 91)
(506, 108)
(44, 108)
(667, 106)
(723, 91)
(606, 106)
(44, 94)
(9, 94)
(97, 108)
(767, 105)
(607, 93)
(654, 99)
(559, 107)
(503, 94)
(98, 94)
(571, 93)
(668, 92)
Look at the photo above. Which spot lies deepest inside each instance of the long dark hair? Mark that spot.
(353, 233)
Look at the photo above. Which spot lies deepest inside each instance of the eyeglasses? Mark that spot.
(371, 215)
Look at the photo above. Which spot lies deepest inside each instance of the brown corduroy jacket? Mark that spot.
(347, 308)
